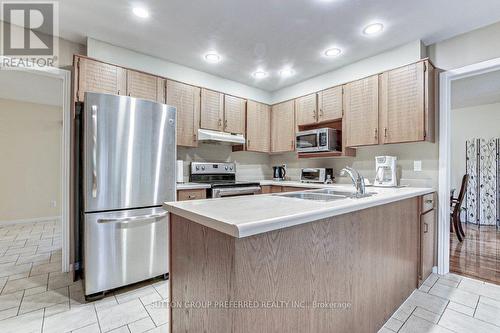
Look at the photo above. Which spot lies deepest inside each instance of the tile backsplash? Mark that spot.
(258, 166)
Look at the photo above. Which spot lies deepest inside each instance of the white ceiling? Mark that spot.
(30, 87)
(476, 90)
(270, 33)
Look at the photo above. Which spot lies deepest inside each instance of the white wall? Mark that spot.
(397, 57)
(128, 58)
(30, 167)
(466, 49)
(480, 121)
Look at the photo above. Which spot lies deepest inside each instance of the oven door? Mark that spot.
(307, 141)
(235, 191)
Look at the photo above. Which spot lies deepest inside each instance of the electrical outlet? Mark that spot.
(417, 166)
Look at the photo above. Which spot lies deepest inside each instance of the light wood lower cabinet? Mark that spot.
(183, 195)
(99, 77)
(283, 127)
(234, 114)
(258, 127)
(427, 237)
(361, 112)
(266, 189)
(212, 110)
(186, 99)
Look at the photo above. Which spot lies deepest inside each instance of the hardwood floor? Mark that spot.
(478, 255)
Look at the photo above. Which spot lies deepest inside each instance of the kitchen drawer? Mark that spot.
(183, 195)
(428, 202)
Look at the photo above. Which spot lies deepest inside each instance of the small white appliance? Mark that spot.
(316, 175)
(179, 171)
(386, 170)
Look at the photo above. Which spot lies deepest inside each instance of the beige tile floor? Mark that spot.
(36, 297)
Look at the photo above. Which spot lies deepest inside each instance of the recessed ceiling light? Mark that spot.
(373, 28)
(212, 57)
(259, 74)
(333, 52)
(141, 12)
(285, 72)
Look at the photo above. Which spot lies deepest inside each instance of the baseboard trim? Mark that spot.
(39, 219)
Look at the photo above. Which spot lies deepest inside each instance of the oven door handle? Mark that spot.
(232, 191)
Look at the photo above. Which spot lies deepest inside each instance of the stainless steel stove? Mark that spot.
(222, 178)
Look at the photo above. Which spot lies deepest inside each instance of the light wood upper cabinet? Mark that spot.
(99, 77)
(306, 110)
(212, 110)
(234, 114)
(330, 104)
(186, 99)
(258, 127)
(142, 85)
(283, 127)
(361, 112)
(402, 104)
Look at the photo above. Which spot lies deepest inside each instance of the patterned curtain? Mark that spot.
(482, 165)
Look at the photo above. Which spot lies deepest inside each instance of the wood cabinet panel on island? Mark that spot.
(283, 127)
(234, 114)
(258, 121)
(197, 194)
(186, 99)
(212, 110)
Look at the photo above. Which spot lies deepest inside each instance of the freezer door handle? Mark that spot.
(130, 219)
(94, 151)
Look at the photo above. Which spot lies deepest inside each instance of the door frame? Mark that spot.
(65, 77)
(445, 80)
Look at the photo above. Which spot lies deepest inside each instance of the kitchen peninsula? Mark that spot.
(278, 263)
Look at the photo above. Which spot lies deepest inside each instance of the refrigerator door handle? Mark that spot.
(126, 220)
(94, 151)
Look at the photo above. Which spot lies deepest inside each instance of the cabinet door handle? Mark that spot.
(220, 122)
(225, 123)
(426, 228)
(385, 132)
(314, 114)
(293, 146)
(376, 133)
(248, 143)
(321, 112)
(191, 196)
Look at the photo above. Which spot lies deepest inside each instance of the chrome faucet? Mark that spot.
(357, 180)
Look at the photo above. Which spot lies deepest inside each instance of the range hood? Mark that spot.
(220, 137)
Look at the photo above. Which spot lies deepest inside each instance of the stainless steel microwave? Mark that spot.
(318, 140)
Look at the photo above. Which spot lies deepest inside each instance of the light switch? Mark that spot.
(417, 165)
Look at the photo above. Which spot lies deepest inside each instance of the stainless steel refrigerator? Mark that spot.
(128, 171)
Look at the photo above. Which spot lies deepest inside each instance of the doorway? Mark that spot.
(35, 142)
(469, 242)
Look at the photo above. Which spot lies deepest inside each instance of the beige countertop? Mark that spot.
(250, 215)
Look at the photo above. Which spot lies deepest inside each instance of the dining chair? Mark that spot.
(456, 208)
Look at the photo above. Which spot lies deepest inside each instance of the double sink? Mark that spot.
(324, 195)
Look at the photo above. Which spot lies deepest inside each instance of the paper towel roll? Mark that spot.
(180, 171)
